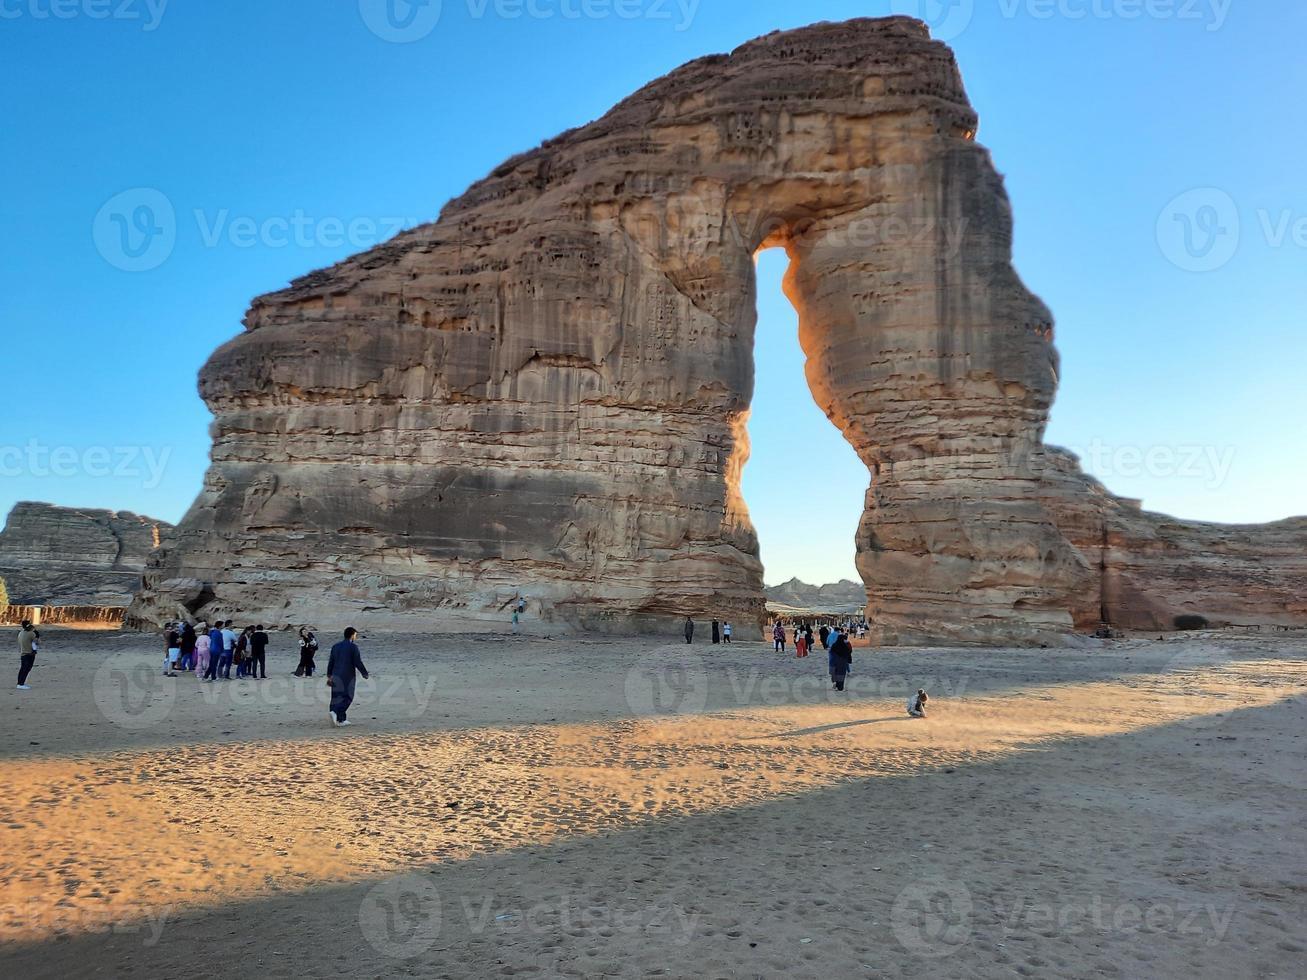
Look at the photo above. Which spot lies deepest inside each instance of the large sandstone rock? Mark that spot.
(64, 556)
(546, 391)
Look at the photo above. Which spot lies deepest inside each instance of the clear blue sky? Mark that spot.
(1183, 358)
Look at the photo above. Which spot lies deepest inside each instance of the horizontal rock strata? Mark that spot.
(545, 392)
(65, 556)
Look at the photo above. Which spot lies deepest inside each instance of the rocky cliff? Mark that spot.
(64, 556)
(546, 390)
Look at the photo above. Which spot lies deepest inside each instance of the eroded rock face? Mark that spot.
(63, 556)
(546, 390)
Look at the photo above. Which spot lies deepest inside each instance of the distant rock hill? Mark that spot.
(72, 556)
(842, 596)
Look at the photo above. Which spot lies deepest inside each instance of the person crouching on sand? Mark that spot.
(917, 704)
(345, 661)
(840, 659)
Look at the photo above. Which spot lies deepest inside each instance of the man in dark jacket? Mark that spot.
(344, 663)
(259, 653)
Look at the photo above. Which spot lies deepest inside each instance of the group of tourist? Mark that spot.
(211, 651)
(835, 640)
(721, 632)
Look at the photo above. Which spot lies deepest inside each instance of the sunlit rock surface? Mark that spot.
(546, 390)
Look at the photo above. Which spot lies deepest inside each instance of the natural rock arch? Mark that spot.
(546, 389)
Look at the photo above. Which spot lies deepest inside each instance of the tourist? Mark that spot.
(689, 630)
(203, 648)
(172, 644)
(800, 644)
(308, 650)
(241, 652)
(824, 633)
(188, 646)
(216, 642)
(28, 642)
(840, 659)
(228, 650)
(726, 632)
(716, 632)
(807, 636)
(344, 662)
(778, 637)
(259, 653)
(917, 704)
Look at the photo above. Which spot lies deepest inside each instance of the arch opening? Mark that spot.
(799, 482)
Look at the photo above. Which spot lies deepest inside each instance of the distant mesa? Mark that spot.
(80, 560)
(842, 597)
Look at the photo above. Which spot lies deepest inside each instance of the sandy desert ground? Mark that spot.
(509, 806)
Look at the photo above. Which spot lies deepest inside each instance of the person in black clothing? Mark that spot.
(689, 630)
(308, 650)
(188, 646)
(716, 631)
(841, 659)
(342, 666)
(259, 653)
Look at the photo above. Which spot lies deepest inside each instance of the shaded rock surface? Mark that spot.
(68, 556)
(546, 391)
